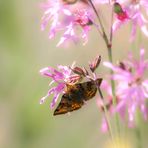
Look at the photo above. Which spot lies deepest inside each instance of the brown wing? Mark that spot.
(75, 95)
(90, 88)
(67, 105)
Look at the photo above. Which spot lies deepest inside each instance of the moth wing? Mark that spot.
(67, 105)
(89, 90)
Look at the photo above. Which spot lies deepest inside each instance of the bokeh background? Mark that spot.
(24, 50)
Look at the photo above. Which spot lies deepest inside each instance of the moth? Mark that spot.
(76, 95)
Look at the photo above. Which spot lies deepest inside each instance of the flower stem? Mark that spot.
(138, 136)
(108, 43)
(100, 22)
(106, 113)
(113, 91)
(111, 24)
(137, 130)
(110, 57)
(99, 19)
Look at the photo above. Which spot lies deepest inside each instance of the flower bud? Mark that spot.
(93, 66)
(86, 73)
(79, 71)
(117, 8)
(121, 14)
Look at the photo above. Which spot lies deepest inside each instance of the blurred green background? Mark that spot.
(24, 50)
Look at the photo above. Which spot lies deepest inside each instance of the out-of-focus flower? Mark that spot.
(60, 78)
(53, 10)
(133, 12)
(121, 14)
(80, 18)
(104, 125)
(132, 86)
(67, 19)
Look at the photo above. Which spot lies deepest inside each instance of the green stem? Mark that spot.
(111, 71)
(111, 29)
(138, 131)
(99, 19)
(112, 81)
(138, 135)
(106, 114)
(100, 22)
(108, 43)
(113, 91)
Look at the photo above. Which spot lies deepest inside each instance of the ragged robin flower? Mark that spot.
(67, 76)
(132, 86)
(132, 11)
(74, 20)
(60, 77)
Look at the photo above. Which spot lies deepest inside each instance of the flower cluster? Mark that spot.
(67, 18)
(132, 12)
(70, 17)
(132, 86)
(127, 91)
(68, 76)
(60, 77)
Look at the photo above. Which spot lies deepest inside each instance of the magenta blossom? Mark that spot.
(132, 86)
(60, 78)
(53, 11)
(67, 19)
(133, 13)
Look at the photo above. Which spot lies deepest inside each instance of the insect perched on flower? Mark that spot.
(67, 82)
(76, 95)
(132, 86)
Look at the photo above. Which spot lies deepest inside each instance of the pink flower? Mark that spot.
(133, 13)
(59, 77)
(129, 11)
(54, 10)
(132, 86)
(68, 75)
(120, 13)
(67, 19)
(81, 19)
(104, 126)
